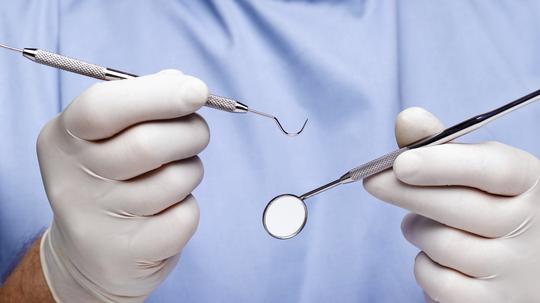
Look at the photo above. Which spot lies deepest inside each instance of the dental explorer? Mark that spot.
(107, 74)
(285, 216)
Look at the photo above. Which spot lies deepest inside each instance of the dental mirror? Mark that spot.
(284, 216)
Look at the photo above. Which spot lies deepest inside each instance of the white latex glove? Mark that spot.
(118, 166)
(474, 215)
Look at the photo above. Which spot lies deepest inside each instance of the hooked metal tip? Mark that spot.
(290, 134)
(11, 48)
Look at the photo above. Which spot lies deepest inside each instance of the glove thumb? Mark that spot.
(415, 123)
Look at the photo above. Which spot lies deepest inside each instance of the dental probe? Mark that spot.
(285, 215)
(108, 74)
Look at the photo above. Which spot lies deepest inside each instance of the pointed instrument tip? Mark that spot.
(11, 48)
(289, 133)
(279, 123)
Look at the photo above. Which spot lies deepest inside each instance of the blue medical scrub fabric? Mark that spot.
(350, 66)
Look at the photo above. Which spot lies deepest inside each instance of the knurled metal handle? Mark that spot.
(72, 65)
(221, 103)
(101, 73)
(375, 166)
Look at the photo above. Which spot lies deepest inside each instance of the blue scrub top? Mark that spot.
(350, 66)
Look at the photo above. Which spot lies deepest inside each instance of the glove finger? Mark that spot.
(492, 167)
(165, 234)
(415, 123)
(459, 207)
(145, 147)
(471, 255)
(446, 285)
(109, 107)
(155, 191)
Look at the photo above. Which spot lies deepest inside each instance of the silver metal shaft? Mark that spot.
(363, 171)
(109, 74)
(11, 48)
(387, 161)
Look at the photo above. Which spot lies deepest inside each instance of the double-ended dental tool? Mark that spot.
(285, 215)
(107, 74)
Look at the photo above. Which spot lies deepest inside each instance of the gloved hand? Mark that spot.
(475, 211)
(118, 166)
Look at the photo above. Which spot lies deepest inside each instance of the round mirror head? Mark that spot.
(284, 216)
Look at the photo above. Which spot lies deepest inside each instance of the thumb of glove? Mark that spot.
(415, 123)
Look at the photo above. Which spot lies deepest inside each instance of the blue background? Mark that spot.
(350, 66)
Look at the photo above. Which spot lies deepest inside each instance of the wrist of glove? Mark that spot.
(474, 215)
(65, 282)
(119, 165)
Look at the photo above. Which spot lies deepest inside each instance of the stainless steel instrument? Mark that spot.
(287, 226)
(108, 74)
